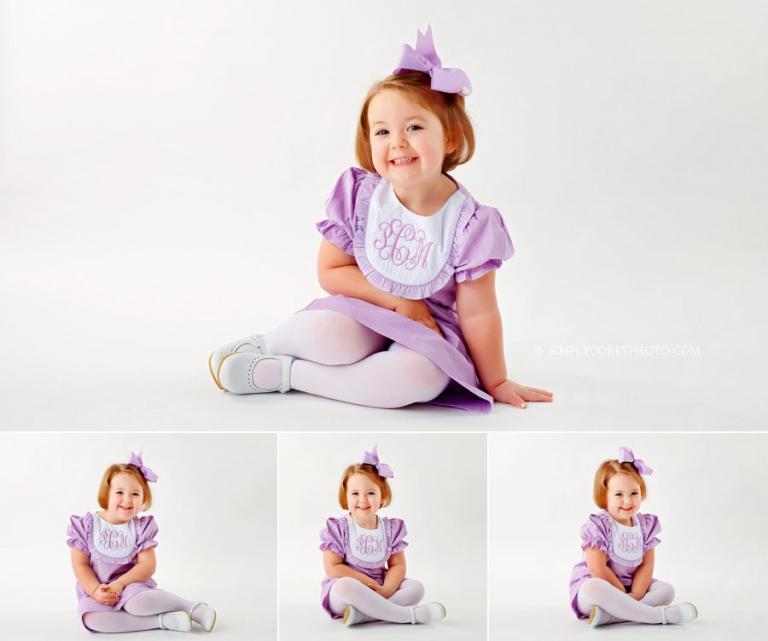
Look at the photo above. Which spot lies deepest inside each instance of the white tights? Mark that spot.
(140, 612)
(619, 604)
(348, 591)
(342, 359)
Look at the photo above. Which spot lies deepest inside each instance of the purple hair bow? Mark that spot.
(148, 474)
(372, 458)
(626, 456)
(424, 58)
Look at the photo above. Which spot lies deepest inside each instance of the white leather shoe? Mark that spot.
(253, 344)
(236, 373)
(435, 612)
(679, 613)
(598, 617)
(203, 615)
(353, 616)
(177, 621)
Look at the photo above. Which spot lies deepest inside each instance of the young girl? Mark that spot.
(363, 554)
(113, 557)
(409, 257)
(614, 582)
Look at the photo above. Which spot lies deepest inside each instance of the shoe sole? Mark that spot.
(215, 616)
(592, 614)
(347, 610)
(213, 376)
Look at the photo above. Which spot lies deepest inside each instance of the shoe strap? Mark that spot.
(663, 615)
(413, 615)
(286, 381)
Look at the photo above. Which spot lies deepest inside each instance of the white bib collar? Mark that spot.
(627, 541)
(113, 541)
(367, 545)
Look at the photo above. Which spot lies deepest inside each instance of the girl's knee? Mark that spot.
(422, 379)
(414, 587)
(593, 588)
(345, 588)
(666, 592)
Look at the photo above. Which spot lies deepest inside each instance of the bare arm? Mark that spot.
(641, 579)
(338, 273)
(395, 574)
(81, 566)
(336, 568)
(480, 322)
(139, 573)
(597, 564)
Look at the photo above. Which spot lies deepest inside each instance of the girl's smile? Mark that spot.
(126, 498)
(624, 498)
(363, 500)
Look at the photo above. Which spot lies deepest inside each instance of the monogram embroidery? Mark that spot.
(629, 542)
(113, 540)
(402, 244)
(369, 545)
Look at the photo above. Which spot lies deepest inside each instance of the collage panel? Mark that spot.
(83, 550)
(568, 519)
(438, 508)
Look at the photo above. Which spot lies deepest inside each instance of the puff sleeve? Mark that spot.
(146, 531)
(396, 533)
(77, 532)
(595, 533)
(482, 244)
(332, 536)
(339, 226)
(650, 526)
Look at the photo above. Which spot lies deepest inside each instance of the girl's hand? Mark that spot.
(376, 588)
(417, 310)
(104, 595)
(517, 395)
(116, 587)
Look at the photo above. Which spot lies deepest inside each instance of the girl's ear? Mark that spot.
(450, 146)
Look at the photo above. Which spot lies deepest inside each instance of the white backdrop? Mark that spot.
(214, 503)
(439, 491)
(708, 491)
(162, 165)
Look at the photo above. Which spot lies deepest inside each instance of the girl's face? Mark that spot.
(126, 498)
(408, 144)
(624, 498)
(363, 498)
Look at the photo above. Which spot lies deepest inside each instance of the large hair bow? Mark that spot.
(148, 474)
(424, 58)
(626, 456)
(372, 458)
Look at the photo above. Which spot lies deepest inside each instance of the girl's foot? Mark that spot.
(177, 621)
(255, 374)
(252, 344)
(353, 616)
(428, 612)
(203, 615)
(679, 613)
(599, 617)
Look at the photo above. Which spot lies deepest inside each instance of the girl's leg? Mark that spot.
(410, 592)
(619, 604)
(348, 591)
(659, 593)
(393, 378)
(324, 336)
(155, 601)
(119, 621)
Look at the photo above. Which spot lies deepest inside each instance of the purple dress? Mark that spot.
(335, 537)
(113, 550)
(625, 547)
(416, 257)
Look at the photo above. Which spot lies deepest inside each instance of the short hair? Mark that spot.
(605, 472)
(371, 472)
(119, 468)
(448, 107)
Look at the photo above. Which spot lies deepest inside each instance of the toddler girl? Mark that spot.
(363, 554)
(113, 558)
(614, 582)
(409, 257)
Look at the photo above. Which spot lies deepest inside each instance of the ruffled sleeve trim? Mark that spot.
(78, 532)
(595, 533)
(482, 243)
(396, 533)
(334, 535)
(146, 531)
(339, 226)
(650, 527)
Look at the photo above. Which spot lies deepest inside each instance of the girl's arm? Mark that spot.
(394, 575)
(139, 573)
(338, 273)
(336, 568)
(597, 564)
(480, 322)
(641, 579)
(81, 566)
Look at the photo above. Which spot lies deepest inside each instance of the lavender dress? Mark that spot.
(336, 538)
(113, 550)
(625, 546)
(416, 257)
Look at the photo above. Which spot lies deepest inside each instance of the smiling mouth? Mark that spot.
(404, 161)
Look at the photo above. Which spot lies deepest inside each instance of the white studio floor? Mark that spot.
(298, 622)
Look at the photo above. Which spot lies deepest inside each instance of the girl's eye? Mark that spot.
(415, 127)
(380, 132)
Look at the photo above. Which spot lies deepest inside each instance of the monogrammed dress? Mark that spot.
(420, 258)
(366, 551)
(625, 547)
(113, 550)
